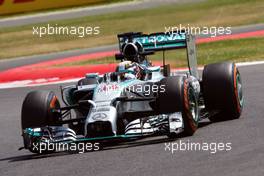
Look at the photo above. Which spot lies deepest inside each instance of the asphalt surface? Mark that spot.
(147, 157)
(86, 11)
(27, 60)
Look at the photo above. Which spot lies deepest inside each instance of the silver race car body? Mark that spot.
(137, 99)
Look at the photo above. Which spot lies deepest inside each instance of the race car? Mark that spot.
(137, 100)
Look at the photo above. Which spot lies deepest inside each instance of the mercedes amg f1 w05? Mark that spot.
(136, 100)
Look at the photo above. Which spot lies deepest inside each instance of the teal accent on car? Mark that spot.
(31, 132)
(162, 41)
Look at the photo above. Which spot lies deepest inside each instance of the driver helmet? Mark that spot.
(130, 70)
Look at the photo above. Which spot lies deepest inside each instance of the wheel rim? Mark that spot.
(239, 89)
(193, 105)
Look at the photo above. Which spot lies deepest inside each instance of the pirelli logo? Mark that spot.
(20, 6)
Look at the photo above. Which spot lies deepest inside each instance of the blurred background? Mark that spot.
(19, 18)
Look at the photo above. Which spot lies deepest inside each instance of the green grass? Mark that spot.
(240, 50)
(19, 41)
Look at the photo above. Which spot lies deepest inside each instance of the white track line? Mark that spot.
(241, 64)
(51, 81)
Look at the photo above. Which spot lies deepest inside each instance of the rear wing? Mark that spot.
(155, 41)
(164, 41)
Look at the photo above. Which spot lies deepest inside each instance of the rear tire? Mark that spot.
(222, 90)
(179, 96)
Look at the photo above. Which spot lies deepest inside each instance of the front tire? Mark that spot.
(38, 109)
(179, 96)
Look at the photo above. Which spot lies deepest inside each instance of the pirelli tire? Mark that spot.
(38, 109)
(222, 91)
(179, 96)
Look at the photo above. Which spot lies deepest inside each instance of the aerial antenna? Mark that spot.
(163, 60)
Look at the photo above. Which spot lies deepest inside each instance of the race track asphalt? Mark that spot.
(147, 157)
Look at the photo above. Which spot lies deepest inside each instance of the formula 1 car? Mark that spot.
(136, 100)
